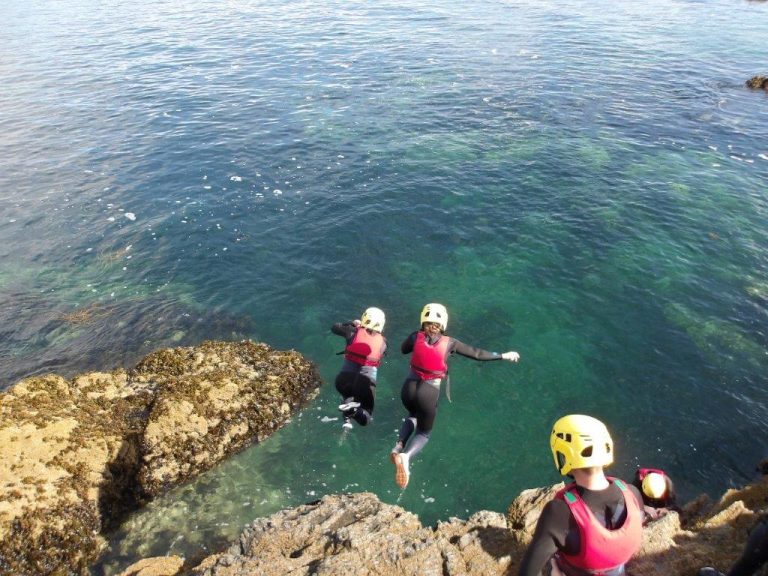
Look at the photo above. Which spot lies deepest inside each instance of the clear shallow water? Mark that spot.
(585, 183)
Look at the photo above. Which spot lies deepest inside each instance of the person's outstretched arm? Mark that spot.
(346, 329)
(482, 355)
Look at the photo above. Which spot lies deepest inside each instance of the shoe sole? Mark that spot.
(401, 475)
(349, 407)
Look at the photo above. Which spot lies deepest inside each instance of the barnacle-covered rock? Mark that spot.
(76, 455)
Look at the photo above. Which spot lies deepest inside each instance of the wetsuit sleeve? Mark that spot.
(637, 493)
(550, 534)
(407, 346)
(472, 352)
(346, 329)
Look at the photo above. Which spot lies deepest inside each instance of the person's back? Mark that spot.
(594, 523)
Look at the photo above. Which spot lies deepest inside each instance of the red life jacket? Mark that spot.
(602, 550)
(365, 348)
(429, 360)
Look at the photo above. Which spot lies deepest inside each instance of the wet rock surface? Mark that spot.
(76, 455)
(356, 534)
(757, 82)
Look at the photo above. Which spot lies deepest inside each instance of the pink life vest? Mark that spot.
(602, 550)
(365, 348)
(429, 360)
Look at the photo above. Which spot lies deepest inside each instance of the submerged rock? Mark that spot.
(161, 566)
(76, 455)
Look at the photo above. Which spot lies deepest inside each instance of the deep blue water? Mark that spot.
(584, 182)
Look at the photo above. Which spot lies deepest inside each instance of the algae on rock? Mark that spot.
(76, 455)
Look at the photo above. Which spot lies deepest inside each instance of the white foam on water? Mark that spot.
(763, 156)
(328, 419)
(131, 216)
(111, 219)
(429, 500)
(236, 178)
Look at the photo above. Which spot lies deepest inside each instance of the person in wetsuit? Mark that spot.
(356, 382)
(658, 492)
(430, 349)
(754, 556)
(594, 524)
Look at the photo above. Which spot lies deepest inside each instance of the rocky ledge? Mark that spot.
(76, 455)
(358, 535)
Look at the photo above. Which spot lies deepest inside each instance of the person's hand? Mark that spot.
(512, 356)
(356, 323)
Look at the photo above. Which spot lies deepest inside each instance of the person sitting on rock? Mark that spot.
(356, 382)
(754, 556)
(594, 524)
(657, 491)
(430, 349)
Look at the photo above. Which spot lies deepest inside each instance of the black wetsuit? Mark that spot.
(355, 380)
(755, 552)
(557, 531)
(420, 396)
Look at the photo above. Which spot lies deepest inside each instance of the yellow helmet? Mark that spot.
(435, 313)
(579, 441)
(373, 319)
(654, 485)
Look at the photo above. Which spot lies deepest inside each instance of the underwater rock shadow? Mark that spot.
(38, 339)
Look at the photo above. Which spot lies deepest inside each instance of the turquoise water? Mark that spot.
(586, 183)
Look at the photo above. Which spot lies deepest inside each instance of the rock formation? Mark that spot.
(757, 82)
(75, 455)
(357, 535)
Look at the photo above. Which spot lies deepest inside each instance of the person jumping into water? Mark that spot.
(356, 382)
(430, 348)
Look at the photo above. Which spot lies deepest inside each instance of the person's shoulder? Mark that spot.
(555, 511)
(636, 491)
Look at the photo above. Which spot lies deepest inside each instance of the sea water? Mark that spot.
(583, 182)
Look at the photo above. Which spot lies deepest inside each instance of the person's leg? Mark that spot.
(408, 398)
(425, 410)
(427, 396)
(345, 385)
(365, 391)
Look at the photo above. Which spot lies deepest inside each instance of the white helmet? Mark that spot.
(373, 319)
(435, 313)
